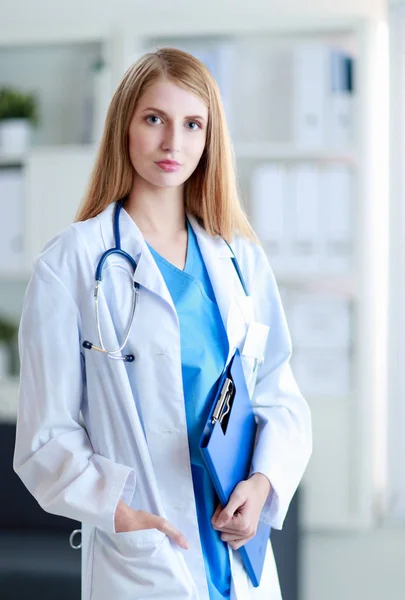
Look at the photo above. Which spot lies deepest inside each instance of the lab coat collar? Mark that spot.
(221, 271)
(215, 252)
(147, 273)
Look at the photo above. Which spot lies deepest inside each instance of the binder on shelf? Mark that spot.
(324, 95)
(310, 74)
(11, 223)
(303, 206)
(322, 334)
(268, 193)
(341, 100)
(337, 218)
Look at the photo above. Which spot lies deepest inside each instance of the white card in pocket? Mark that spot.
(256, 339)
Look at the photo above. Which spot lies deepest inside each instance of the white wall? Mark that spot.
(38, 18)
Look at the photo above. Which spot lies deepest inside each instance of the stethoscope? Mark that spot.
(99, 276)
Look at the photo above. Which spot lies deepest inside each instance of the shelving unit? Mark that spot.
(343, 486)
(280, 151)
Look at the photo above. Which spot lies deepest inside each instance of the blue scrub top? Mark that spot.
(204, 350)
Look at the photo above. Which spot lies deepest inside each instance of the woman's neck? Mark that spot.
(157, 211)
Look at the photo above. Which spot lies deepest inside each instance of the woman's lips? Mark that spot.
(168, 167)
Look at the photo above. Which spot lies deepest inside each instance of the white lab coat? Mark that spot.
(92, 430)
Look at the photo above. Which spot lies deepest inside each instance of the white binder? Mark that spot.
(337, 219)
(340, 100)
(311, 74)
(267, 210)
(303, 216)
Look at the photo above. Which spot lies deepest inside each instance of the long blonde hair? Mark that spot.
(211, 192)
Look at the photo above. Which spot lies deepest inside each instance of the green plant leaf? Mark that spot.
(17, 105)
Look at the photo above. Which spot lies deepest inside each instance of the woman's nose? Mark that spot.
(172, 138)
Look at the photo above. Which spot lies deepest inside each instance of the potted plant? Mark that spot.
(8, 347)
(18, 113)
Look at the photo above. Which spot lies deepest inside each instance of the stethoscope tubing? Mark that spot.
(99, 276)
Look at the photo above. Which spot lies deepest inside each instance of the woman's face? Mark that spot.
(168, 124)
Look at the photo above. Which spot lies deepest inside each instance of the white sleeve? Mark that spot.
(53, 455)
(284, 438)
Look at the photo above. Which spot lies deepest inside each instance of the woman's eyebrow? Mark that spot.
(162, 112)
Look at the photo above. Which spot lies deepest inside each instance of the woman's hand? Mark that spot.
(239, 519)
(127, 519)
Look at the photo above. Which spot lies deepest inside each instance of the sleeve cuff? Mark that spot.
(266, 510)
(123, 489)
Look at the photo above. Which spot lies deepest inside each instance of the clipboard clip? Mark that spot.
(223, 405)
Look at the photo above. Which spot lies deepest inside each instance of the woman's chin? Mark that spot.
(167, 180)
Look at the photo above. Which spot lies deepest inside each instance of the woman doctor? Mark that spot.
(111, 409)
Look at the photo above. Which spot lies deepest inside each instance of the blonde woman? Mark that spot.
(115, 389)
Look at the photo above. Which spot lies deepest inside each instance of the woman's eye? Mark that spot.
(189, 122)
(153, 117)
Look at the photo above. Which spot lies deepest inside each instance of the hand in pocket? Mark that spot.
(127, 519)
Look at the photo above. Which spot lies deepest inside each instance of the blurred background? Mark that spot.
(314, 95)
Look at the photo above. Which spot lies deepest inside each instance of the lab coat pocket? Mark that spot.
(253, 351)
(142, 542)
(139, 564)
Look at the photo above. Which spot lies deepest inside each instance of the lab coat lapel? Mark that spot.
(215, 252)
(224, 279)
(147, 273)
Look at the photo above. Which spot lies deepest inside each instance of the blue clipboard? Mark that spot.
(227, 445)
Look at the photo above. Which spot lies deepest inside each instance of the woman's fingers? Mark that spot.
(232, 537)
(216, 513)
(227, 530)
(146, 520)
(234, 541)
(166, 527)
(235, 526)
